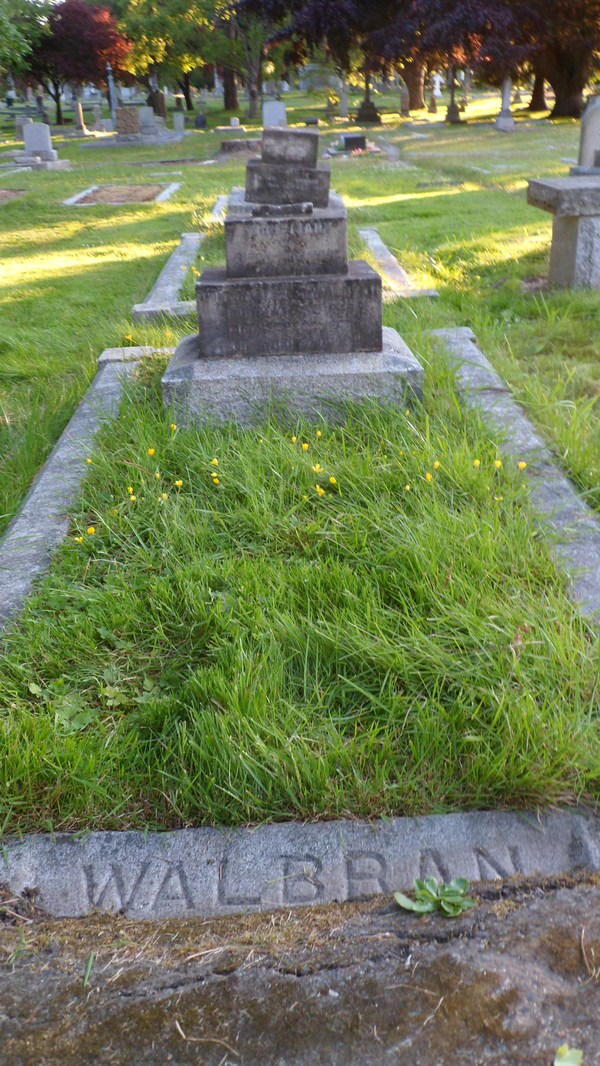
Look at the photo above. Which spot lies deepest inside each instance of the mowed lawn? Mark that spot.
(242, 628)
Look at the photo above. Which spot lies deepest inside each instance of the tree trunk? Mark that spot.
(538, 96)
(186, 88)
(414, 77)
(568, 74)
(230, 90)
(55, 94)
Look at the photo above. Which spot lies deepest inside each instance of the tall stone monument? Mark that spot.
(288, 317)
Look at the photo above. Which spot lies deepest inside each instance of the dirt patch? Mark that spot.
(9, 194)
(355, 984)
(122, 194)
(535, 284)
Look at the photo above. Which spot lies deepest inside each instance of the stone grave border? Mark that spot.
(218, 871)
(166, 194)
(163, 298)
(395, 279)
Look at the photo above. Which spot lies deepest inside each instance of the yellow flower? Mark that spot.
(521, 465)
(150, 451)
(332, 481)
(497, 463)
(498, 498)
(91, 529)
(167, 334)
(476, 462)
(406, 488)
(408, 412)
(320, 490)
(428, 476)
(88, 460)
(164, 496)
(130, 488)
(401, 452)
(436, 464)
(172, 426)
(114, 510)
(304, 446)
(260, 440)
(215, 481)
(179, 484)
(79, 539)
(305, 497)
(317, 468)
(133, 497)
(157, 474)
(214, 462)
(128, 336)
(318, 433)
(294, 439)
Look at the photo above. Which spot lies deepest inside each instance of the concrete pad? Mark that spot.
(244, 389)
(219, 871)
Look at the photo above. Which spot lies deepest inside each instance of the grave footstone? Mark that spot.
(288, 316)
(274, 113)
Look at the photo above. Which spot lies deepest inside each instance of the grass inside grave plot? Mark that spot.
(122, 194)
(298, 620)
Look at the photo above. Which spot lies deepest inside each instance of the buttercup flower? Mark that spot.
(215, 481)
(133, 498)
(128, 336)
(91, 529)
(407, 487)
(172, 426)
(79, 539)
(318, 433)
(150, 451)
(214, 462)
(88, 460)
(476, 462)
(428, 476)
(320, 490)
(521, 465)
(294, 439)
(317, 468)
(497, 463)
(157, 474)
(333, 481)
(436, 464)
(179, 483)
(164, 496)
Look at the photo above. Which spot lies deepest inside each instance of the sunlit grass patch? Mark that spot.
(296, 620)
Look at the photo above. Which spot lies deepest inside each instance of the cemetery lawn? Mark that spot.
(255, 649)
(298, 620)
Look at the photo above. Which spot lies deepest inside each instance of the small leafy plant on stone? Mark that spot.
(568, 1056)
(430, 895)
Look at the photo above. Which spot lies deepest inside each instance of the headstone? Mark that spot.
(97, 113)
(162, 106)
(313, 121)
(80, 128)
(352, 141)
(179, 121)
(589, 139)
(405, 103)
(432, 105)
(128, 123)
(20, 122)
(437, 83)
(179, 103)
(147, 121)
(200, 121)
(274, 113)
(234, 121)
(505, 121)
(38, 141)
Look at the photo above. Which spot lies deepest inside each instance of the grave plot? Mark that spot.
(9, 194)
(122, 194)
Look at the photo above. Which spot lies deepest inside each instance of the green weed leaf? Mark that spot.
(430, 896)
(566, 1056)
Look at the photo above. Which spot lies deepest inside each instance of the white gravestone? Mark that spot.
(234, 121)
(505, 121)
(437, 82)
(274, 113)
(589, 141)
(38, 142)
(147, 120)
(178, 121)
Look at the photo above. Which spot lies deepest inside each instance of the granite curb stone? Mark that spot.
(395, 277)
(209, 871)
(553, 495)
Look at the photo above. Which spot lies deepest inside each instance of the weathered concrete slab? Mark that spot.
(270, 183)
(244, 389)
(219, 871)
(553, 495)
(42, 521)
(574, 196)
(307, 240)
(289, 315)
(395, 277)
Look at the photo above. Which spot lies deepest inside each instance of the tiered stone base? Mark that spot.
(244, 390)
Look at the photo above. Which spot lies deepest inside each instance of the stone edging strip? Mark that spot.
(219, 871)
(42, 521)
(75, 201)
(163, 298)
(395, 277)
(553, 495)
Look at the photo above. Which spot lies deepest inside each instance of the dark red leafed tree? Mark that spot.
(79, 42)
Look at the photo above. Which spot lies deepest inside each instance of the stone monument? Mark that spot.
(39, 153)
(81, 129)
(274, 113)
(589, 139)
(179, 121)
(505, 120)
(575, 204)
(20, 122)
(128, 123)
(288, 317)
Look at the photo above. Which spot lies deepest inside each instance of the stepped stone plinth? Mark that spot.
(288, 316)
